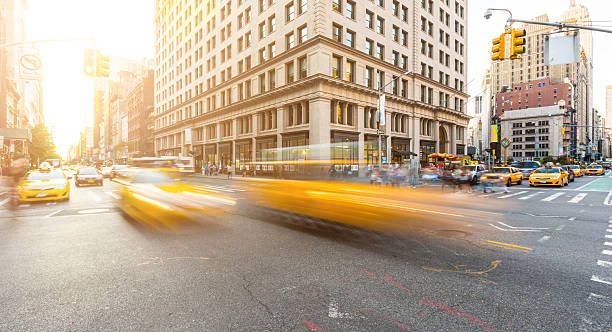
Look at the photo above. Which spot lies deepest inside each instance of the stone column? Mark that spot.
(319, 129)
(234, 135)
(436, 134)
(304, 112)
(453, 139)
(255, 123)
(388, 133)
(416, 134)
(280, 125)
(361, 145)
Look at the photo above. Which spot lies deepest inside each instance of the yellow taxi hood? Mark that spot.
(43, 183)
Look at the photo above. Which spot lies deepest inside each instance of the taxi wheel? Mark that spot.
(531, 185)
(520, 182)
(509, 183)
(566, 182)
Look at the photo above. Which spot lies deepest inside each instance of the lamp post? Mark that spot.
(381, 114)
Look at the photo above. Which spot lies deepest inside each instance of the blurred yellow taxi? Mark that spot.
(160, 201)
(505, 175)
(44, 184)
(594, 169)
(578, 171)
(548, 176)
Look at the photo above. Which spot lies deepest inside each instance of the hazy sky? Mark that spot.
(126, 28)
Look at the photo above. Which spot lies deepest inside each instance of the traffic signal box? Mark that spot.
(509, 45)
(95, 64)
(517, 42)
(498, 48)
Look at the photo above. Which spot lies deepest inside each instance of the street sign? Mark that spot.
(30, 64)
(381, 110)
(505, 142)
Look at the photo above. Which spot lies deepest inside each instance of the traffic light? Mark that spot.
(517, 43)
(89, 62)
(498, 49)
(563, 131)
(102, 65)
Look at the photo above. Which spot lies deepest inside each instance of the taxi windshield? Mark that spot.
(594, 166)
(39, 176)
(575, 167)
(501, 170)
(548, 170)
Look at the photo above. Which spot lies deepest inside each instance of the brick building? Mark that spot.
(532, 94)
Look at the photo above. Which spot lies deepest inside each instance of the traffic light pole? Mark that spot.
(511, 20)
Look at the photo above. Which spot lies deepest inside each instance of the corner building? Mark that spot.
(235, 80)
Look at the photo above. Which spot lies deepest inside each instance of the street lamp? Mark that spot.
(381, 114)
(489, 12)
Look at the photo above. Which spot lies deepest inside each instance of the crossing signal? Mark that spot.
(498, 49)
(517, 43)
(102, 65)
(89, 62)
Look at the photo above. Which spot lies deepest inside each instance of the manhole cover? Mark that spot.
(452, 233)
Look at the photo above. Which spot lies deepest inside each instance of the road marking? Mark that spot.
(572, 219)
(544, 238)
(608, 236)
(54, 213)
(516, 227)
(607, 243)
(515, 194)
(560, 227)
(604, 263)
(4, 201)
(607, 252)
(333, 312)
(600, 299)
(609, 230)
(577, 198)
(112, 194)
(608, 200)
(602, 280)
(532, 195)
(92, 211)
(585, 185)
(551, 197)
(507, 246)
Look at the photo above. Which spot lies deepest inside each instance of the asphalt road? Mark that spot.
(540, 262)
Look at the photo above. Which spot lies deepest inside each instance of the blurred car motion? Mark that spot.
(44, 184)
(116, 168)
(548, 176)
(161, 201)
(106, 171)
(383, 209)
(88, 176)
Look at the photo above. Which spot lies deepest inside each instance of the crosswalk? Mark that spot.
(215, 188)
(570, 197)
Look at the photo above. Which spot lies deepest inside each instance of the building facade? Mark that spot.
(140, 117)
(609, 108)
(534, 132)
(241, 78)
(532, 94)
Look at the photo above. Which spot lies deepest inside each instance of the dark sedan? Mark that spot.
(88, 176)
(570, 173)
(527, 167)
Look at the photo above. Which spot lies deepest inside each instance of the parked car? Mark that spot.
(106, 171)
(527, 167)
(606, 164)
(117, 168)
(88, 175)
(570, 173)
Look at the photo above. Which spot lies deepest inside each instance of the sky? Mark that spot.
(120, 27)
(126, 28)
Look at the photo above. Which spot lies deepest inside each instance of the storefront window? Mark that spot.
(371, 150)
(344, 149)
(295, 147)
(266, 150)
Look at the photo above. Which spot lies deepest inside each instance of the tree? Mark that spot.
(42, 146)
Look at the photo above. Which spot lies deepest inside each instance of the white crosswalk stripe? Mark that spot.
(552, 197)
(532, 195)
(218, 188)
(577, 198)
(512, 195)
(604, 263)
(601, 279)
(112, 194)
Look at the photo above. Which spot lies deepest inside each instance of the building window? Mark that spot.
(369, 19)
(369, 76)
(272, 79)
(336, 66)
(350, 10)
(303, 6)
(290, 41)
(380, 79)
(303, 63)
(337, 5)
(350, 38)
(380, 51)
(303, 31)
(337, 32)
(380, 25)
(289, 72)
(350, 71)
(290, 12)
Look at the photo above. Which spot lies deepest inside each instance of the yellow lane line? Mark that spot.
(507, 245)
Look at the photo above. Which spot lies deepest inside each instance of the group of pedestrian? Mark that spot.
(212, 169)
(394, 175)
(458, 178)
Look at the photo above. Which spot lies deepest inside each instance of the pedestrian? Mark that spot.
(229, 170)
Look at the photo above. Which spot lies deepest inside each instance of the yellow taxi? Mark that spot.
(594, 169)
(548, 176)
(504, 174)
(44, 184)
(159, 200)
(578, 171)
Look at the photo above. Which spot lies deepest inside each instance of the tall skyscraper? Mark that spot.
(241, 77)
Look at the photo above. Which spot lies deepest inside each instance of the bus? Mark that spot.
(181, 164)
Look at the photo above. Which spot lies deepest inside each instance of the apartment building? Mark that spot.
(237, 81)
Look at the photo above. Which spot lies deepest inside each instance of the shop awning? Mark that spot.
(405, 152)
(16, 133)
